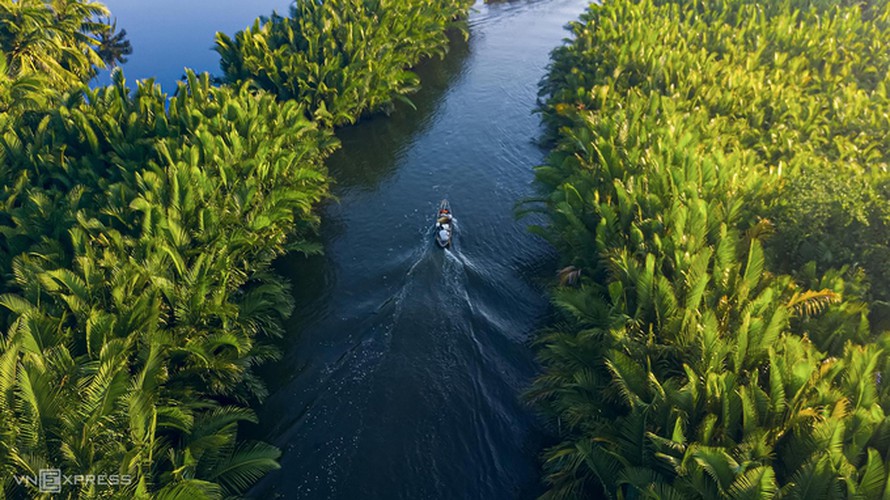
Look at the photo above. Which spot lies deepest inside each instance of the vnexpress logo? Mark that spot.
(52, 480)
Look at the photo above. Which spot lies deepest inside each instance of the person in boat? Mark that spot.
(444, 223)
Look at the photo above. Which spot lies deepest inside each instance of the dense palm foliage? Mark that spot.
(341, 57)
(137, 242)
(137, 231)
(686, 136)
(54, 41)
(46, 48)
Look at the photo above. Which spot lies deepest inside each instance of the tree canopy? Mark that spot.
(341, 58)
(704, 350)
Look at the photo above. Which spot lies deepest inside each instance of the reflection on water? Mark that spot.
(383, 139)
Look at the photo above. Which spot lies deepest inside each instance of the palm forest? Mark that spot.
(716, 191)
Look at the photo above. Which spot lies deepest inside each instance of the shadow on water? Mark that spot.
(384, 138)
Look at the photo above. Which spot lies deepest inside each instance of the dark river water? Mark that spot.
(404, 366)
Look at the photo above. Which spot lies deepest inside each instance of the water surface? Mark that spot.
(170, 35)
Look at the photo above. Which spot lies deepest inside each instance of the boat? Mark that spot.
(444, 224)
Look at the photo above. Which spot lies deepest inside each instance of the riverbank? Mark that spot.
(700, 152)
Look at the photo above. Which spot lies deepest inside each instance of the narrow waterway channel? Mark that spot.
(402, 375)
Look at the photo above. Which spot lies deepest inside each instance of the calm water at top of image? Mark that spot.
(404, 365)
(169, 35)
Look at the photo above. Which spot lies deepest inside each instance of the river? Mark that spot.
(404, 363)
